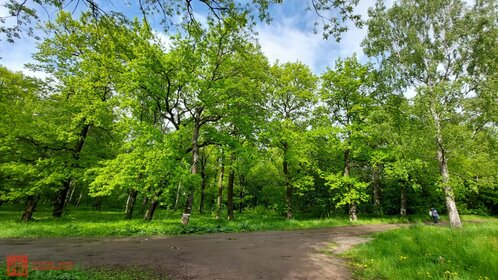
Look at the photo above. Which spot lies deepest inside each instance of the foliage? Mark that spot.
(349, 189)
(125, 117)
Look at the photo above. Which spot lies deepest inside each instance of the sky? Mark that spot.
(288, 38)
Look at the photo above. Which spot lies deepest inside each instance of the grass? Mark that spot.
(430, 252)
(90, 223)
(81, 273)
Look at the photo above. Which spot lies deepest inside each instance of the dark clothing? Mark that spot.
(434, 215)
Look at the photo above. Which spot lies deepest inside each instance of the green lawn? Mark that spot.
(430, 252)
(91, 223)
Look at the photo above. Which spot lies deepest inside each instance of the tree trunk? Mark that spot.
(288, 186)
(72, 187)
(231, 178)
(347, 163)
(376, 189)
(149, 214)
(177, 196)
(130, 203)
(98, 203)
(352, 212)
(347, 170)
(30, 208)
(220, 188)
(60, 199)
(79, 199)
(241, 193)
(193, 170)
(203, 182)
(453, 215)
(402, 211)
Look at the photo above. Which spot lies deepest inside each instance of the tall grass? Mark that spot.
(430, 252)
(91, 223)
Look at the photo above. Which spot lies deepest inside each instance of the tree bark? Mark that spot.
(203, 182)
(130, 203)
(352, 212)
(231, 178)
(72, 187)
(288, 186)
(154, 202)
(177, 196)
(241, 193)
(60, 199)
(30, 208)
(77, 204)
(376, 189)
(149, 214)
(402, 211)
(347, 171)
(220, 188)
(194, 168)
(347, 163)
(453, 215)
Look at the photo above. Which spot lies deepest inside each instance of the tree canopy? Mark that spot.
(123, 118)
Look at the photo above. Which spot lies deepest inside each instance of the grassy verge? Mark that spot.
(430, 252)
(81, 273)
(90, 223)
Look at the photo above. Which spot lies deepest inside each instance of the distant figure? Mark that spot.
(435, 216)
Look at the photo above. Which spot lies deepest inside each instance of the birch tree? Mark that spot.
(430, 45)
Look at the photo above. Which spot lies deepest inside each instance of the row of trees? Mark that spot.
(126, 117)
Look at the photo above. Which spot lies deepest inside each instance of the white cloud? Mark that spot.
(285, 40)
(287, 43)
(163, 40)
(291, 38)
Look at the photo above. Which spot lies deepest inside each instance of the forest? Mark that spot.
(204, 123)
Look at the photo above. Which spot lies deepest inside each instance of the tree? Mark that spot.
(348, 95)
(429, 45)
(82, 60)
(216, 65)
(147, 164)
(292, 94)
(21, 162)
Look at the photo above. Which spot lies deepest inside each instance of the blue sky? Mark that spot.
(289, 37)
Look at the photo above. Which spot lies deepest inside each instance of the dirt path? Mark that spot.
(255, 255)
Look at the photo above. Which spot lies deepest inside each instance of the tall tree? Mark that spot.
(81, 58)
(217, 62)
(22, 161)
(348, 95)
(292, 88)
(429, 45)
